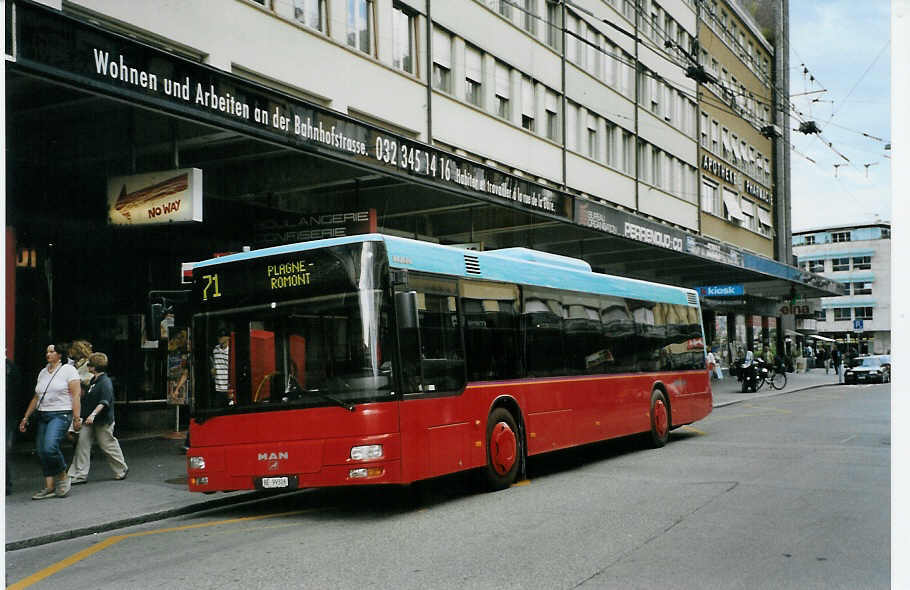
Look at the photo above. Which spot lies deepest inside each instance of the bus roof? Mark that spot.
(512, 265)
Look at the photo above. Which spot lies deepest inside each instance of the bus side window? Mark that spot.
(441, 356)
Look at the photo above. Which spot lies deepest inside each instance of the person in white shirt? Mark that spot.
(58, 394)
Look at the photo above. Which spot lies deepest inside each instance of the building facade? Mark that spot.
(143, 136)
(736, 163)
(858, 258)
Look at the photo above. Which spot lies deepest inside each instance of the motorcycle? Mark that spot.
(753, 377)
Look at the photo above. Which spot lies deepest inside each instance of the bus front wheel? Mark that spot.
(660, 419)
(503, 449)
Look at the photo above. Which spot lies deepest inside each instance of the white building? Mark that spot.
(859, 259)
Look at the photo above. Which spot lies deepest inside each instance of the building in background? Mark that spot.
(739, 204)
(143, 136)
(858, 258)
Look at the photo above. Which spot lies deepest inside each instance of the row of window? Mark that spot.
(723, 202)
(667, 172)
(726, 145)
(666, 102)
(874, 233)
(842, 314)
(725, 27)
(545, 333)
(481, 70)
(756, 111)
(845, 263)
(856, 288)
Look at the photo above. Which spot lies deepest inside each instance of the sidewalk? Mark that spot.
(155, 489)
(728, 390)
(156, 486)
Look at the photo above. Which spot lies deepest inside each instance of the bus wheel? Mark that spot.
(660, 419)
(503, 450)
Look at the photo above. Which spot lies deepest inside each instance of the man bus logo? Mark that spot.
(272, 456)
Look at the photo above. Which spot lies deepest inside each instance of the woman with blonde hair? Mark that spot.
(78, 353)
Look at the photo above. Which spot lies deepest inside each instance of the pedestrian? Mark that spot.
(98, 424)
(56, 401)
(221, 363)
(837, 363)
(78, 357)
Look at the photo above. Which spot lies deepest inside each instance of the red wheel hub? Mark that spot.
(661, 420)
(503, 448)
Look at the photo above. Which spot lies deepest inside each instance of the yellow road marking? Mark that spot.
(88, 552)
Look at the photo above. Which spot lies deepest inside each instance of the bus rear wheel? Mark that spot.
(503, 450)
(660, 419)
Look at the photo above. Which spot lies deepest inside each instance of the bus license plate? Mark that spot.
(274, 482)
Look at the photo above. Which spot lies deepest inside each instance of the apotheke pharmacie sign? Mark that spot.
(65, 48)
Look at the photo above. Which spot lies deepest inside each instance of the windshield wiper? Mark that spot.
(335, 400)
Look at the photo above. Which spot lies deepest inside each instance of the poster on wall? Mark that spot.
(178, 366)
(155, 197)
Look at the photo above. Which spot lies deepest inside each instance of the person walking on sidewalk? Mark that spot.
(837, 360)
(98, 424)
(56, 401)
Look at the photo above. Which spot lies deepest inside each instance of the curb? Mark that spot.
(776, 394)
(142, 519)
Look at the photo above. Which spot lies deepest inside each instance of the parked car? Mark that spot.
(869, 369)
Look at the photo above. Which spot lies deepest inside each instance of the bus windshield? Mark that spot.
(322, 349)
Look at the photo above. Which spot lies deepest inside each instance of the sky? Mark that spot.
(845, 45)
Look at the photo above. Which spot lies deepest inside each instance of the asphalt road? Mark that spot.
(783, 492)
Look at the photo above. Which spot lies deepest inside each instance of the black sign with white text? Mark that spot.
(70, 50)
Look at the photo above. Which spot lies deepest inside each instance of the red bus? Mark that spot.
(382, 360)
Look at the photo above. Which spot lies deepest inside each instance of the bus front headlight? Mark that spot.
(197, 462)
(366, 452)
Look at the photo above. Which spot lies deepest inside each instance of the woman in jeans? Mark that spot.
(57, 396)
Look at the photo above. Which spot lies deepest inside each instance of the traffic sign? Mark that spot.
(857, 325)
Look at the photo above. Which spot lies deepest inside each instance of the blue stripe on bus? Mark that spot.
(410, 254)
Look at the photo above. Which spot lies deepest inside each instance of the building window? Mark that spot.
(815, 265)
(311, 13)
(529, 22)
(551, 102)
(705, 123)
(442, 60)
(528, 106)
(656, 172)
(360, 25)
(710, 198)
(821, 315)
(844, 288)
(505, 8)
(840, 236)
(503, 108)
(554, 27)
(473, 74)
(591, 137)
(809, 240)
(862, 313)
(841, 314)
(715, 136)
(838, 264)
(862, 263)
(611, 148)
(862, 288)
(404, 47)
(628, 161)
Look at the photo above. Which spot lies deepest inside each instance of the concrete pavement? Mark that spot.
(156, 486)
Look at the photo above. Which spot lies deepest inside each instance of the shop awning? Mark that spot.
(822, 338)
(764, 217)
(732, 203)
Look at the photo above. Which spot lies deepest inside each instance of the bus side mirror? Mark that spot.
(406, 309)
